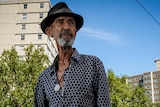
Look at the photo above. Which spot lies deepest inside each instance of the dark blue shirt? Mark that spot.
(85, 84)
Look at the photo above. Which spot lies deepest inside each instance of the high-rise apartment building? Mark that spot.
(150, 81)
(20, 26)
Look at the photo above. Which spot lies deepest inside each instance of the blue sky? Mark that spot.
(119, 32)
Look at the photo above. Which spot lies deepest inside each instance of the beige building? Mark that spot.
(150, 81)
(20, 26)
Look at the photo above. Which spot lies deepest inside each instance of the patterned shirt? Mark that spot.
(85, 84)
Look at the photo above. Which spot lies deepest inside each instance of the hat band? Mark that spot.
(63, 10)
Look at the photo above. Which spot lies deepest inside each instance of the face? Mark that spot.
(63, 29)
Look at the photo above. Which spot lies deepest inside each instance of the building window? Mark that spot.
(39, 36)
(24, 16)
(156, 91)
(25, 6)
(41, 5)
(22, 37)
(149, 76)
(156, 97)
(155, 75)
(135, 79)
(148, 87)
(40, 15)
(149, 92)
(21, 48)
(155, 81)
(155, 86)
(39, 46)
(23, 26)
(149, 81)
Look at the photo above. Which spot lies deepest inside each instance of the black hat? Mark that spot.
(60, 9)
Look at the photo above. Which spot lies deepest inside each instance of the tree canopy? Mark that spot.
(122, 95)
(18, 77)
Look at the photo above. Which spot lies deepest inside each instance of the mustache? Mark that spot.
(66, 32)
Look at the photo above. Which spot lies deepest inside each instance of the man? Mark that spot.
(73, 80)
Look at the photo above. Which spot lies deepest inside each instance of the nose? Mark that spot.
(66, 25)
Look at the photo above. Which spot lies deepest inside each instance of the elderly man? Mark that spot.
(74, 79)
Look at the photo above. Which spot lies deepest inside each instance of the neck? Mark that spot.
(65, 54)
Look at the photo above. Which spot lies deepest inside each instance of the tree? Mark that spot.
(119, 91)
(139, 98)
(18, 77)
(123, 96)
(156, 104)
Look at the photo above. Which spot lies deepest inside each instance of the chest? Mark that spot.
(76, 78)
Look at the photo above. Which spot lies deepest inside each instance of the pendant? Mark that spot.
(57, 87)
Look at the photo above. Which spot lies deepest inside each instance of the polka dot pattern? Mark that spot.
(85, 84)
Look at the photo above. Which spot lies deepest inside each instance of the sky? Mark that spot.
(123, 34)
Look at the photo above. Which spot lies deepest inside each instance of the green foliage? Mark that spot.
(119, 91)
(18, 77)
(123, 96)
(139, 98)
(157, 104)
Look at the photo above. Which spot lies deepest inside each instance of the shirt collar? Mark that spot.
(75, 58)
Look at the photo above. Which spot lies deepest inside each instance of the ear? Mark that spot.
(48, 32)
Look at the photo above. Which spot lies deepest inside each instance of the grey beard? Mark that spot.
(63, 43)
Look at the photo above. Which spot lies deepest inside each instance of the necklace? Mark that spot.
(57, 87)
(59, 81)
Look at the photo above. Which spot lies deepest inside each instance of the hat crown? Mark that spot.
(59, 8)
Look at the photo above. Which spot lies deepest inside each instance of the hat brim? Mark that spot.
(50, 19)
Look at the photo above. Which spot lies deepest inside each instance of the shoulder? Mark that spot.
(91, 58)
(78, 56)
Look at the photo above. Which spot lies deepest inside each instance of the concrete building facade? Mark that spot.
(20, 26)
(150, 81)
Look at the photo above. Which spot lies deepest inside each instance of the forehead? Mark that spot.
(65, 18)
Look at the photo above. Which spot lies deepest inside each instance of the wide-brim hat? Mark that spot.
(60, 9)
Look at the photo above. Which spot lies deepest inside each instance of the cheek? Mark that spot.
(74, 32)
(55, 34)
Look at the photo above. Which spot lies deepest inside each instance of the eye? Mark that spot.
(59, 22)
(72, 23)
